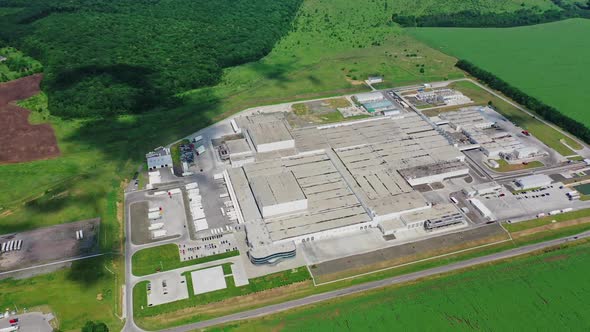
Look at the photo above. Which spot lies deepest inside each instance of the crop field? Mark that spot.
(546, 61)
(541, 292)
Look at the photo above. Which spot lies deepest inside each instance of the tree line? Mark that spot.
(547, 112)
(475, 19)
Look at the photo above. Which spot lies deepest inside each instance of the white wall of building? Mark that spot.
(274, 146)
(284, 208)
(437, 177)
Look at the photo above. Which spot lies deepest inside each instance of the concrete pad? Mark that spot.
(239, 274)
(166, 288)
(208, 280)
(32, 321)
(342, 246)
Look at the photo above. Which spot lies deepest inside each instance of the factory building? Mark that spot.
(533, 181)
(494, 143)
(336, 179)
(239, 152)
(439, 216)
(369, 97)
(483, 189)
(442, 96)
(159, 158)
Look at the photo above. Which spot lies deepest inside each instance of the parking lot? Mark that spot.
(29, 322)
(527, 205)
(207, 246)
(50, 244)
(166, 287)
(215, 200)
(172, 218)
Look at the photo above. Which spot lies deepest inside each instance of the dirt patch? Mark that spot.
(21, 141)
(49, 244)
(556, 258)
(401, 254)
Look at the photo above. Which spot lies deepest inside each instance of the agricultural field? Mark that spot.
(549, 289)
(546, 61)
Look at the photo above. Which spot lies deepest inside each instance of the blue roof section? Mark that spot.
(379, 105)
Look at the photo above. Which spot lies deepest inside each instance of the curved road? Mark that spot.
(376, 284)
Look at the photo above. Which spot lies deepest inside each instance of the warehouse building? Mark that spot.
(338, 178)
(369, 97)
(483, 189)
(266, 132)
(239, 152)
(533, 181)
(494, 143)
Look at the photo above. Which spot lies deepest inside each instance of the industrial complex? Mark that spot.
(360, 177)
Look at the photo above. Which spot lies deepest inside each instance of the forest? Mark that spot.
(547, 112)
(104, 58)
(475, 19)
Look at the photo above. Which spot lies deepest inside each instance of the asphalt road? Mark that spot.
(376, 284)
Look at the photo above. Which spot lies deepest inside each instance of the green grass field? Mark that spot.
(547, 61)
(506, 167)
(166, 257)
(87, 291)
(147, 318)
(539, 292)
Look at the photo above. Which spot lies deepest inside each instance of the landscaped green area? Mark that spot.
(519, 226)
(543, 132)
(545, 61)
(506, 167)
(87, 291)
(147, 317)
(14, 64)
(538, 292)
(166, 257)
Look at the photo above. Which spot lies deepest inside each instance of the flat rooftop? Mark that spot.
(348, 172)
(276, 188)
(269, 132)
(330, 202)
(238, 146)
